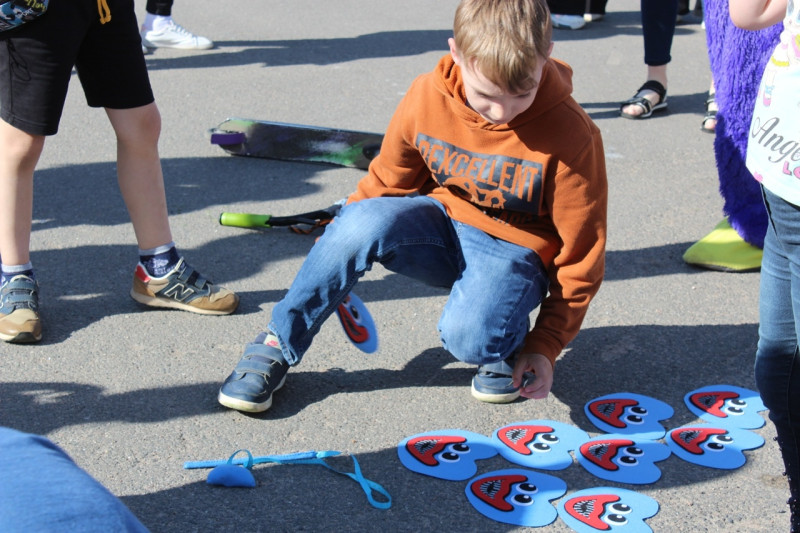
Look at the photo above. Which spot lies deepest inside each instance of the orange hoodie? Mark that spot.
(538, 181)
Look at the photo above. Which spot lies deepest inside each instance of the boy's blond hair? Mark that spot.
(504, 39)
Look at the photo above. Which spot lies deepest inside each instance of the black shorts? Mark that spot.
(36, 61)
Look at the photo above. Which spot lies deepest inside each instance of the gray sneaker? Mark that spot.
(492, 383)
(19, 310)
(260, 372)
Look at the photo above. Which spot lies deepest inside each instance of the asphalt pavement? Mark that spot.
(130, 393)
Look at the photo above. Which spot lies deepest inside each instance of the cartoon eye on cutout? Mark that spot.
(454, 452)
(630, 456)
(735, 407)
(636, 415)
(550, 437)
(718, 443)
(615, 519)
(543, 442)
(525, 492)
(620, 508)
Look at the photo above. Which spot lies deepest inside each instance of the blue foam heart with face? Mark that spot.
(516, 496)
(447, 454)
(543, 444)
(358, 323)
(607, 509)
(629, 414)
(727, 406)
(712, 445)
(623, 458)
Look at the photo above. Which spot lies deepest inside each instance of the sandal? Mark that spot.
(711, 114)
(647, 106)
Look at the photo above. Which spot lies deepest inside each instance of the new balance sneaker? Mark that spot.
(492, 383)
(260, 372)
(19, 310)
(568, 22)
(183, 288)
(174, 35)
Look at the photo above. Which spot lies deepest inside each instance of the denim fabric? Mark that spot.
(43, 490)
(776, 368)
(495, 285)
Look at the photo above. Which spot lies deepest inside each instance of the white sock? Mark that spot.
(156, 23)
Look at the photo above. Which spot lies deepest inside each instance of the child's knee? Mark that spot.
(20, 148)
(469, 341)
(140, 125)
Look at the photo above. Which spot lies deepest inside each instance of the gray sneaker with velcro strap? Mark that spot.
(260, 372)
(19, 310)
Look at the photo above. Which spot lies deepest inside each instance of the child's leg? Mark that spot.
(19, 300)
(21, 152)
(486, 317)
(777, 367)
(411, 236)
(141, 180)
(114, 76)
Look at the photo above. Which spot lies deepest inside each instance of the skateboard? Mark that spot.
(296, 142)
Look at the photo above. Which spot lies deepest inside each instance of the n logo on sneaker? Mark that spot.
(179, 292)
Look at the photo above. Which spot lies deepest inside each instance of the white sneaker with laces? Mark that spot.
(567, 22)
(174, 35)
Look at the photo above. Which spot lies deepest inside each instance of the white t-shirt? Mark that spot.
(773, 148)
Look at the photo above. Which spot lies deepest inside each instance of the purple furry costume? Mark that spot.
(737, 60)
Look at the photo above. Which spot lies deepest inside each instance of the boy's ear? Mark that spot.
(454, 53)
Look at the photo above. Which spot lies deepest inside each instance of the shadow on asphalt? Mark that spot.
(652, 360)
(282, 53)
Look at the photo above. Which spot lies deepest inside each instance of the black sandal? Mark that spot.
(711, 114)
(647, 106)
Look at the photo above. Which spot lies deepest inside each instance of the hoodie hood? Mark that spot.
(554, 88)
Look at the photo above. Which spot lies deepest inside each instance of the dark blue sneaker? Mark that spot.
(260, 372)
(492, 383)
(19, 310)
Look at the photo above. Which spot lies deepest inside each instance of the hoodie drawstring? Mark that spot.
(103, 9)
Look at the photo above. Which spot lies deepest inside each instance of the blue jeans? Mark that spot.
(495, 285)
(42, 489)
(776, 368)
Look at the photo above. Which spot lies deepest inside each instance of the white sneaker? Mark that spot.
(567, 22)
(175, 36)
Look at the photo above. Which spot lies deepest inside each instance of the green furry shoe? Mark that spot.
(723, 249)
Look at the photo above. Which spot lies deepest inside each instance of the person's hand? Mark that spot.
(538, 364)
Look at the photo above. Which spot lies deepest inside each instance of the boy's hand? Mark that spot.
(538, 364)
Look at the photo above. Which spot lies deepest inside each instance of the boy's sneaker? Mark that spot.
(183, 288)
(175, 36)
(492, 383)
(260, 372)
(568, 22)
(19, 310)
